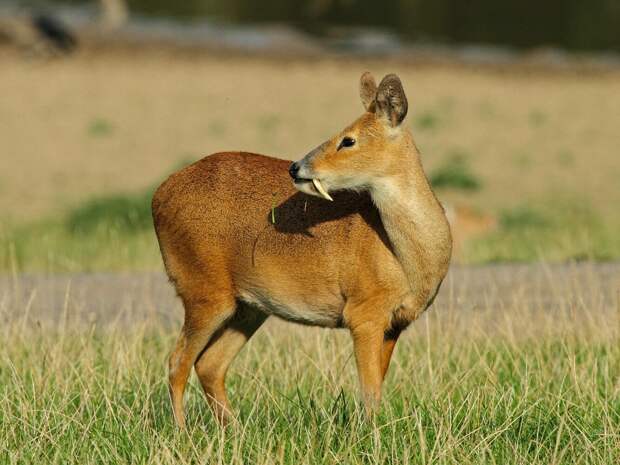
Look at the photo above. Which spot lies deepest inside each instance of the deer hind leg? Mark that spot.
(212, 365)
(202, 320)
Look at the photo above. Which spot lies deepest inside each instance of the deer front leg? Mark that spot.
(368, 348)
(389, 342)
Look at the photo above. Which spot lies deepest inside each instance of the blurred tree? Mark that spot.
(573, 24)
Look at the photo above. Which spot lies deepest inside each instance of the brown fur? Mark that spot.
(239, 242)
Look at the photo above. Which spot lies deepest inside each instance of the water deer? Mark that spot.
(356, 239)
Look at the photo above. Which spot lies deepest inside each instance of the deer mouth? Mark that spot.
(316, 185)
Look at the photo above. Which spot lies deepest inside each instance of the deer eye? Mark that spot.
(346, 142)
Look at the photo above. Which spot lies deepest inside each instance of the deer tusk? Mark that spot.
(321, 190)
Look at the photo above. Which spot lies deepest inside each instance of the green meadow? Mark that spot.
(525, 387)
(520, 371)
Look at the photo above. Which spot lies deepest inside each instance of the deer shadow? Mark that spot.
(299, 213)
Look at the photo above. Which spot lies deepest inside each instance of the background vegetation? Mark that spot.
(531, 157)
(570, 24)
(115, 232)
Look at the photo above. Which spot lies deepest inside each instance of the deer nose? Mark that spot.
(293, 170)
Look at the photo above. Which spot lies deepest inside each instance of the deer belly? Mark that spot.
(302, 309)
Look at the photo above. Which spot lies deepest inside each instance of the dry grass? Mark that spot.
(541, 145)
(119, 122)
(523, 372)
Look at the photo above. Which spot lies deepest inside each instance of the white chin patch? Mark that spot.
(306, 187)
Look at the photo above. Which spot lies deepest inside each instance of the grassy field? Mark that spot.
(85, 140)
(518, 367)
(519, 377)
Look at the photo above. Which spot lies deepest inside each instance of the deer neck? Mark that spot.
(416, 225)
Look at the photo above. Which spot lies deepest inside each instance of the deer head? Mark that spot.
(368, 150)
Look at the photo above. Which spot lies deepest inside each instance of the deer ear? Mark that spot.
(391, 100)
(368, 91)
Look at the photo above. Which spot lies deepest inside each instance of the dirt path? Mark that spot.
(130, 299)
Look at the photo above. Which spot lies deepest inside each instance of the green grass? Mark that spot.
(116, 233)
(48, 246)
(526, 388)
(455, 173)
(427, 120)
(100, 127)
(537, 118)
(108, 232)
(104, 233)
(523, 217)
(127, 213)
(558, 230)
